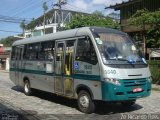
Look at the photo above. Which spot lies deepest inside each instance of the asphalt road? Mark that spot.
(14, 105)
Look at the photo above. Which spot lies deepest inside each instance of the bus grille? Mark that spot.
(138, 82)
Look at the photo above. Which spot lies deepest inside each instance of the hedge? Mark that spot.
(154, 66)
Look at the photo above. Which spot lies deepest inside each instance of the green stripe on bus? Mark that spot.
(31, 71)
(75, 76)
(86, 77)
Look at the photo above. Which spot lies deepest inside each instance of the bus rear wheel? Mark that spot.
(27, 88)
(128, 103)
(85, 103)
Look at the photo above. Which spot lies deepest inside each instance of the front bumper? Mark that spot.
(111, 92)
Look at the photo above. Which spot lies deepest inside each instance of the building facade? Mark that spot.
(127, 10)
(4, 57)
(55, 20)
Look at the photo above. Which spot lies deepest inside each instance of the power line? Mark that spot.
(10, 21)
(18, 8)
(14, 18)
(18, 20)
(36, 10)
(82, 10)
(10, 31)
(28, 7)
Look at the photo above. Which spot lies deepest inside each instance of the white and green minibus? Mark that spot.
(88, 64)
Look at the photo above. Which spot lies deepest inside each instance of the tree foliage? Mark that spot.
(98, 13)
(31, 25)
(8, 41)
(23, 25)
(96, 19)
(144, 18)
(45, 7)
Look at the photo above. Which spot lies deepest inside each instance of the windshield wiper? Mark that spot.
(121, 59)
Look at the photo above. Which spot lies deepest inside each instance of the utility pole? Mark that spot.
(23, 26)
(59, 5)
(45, 8)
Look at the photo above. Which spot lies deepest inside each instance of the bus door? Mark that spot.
(63, 67)
(18, 64)
(68, 68)
(59, 67)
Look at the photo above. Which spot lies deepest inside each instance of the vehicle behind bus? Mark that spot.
(87, 64)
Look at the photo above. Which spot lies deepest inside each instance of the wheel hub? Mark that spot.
(26, 87)
(84, 101)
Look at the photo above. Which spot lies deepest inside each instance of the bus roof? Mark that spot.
(65, 34)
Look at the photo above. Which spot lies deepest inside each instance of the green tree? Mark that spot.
(98, 13)
(8, 41)
(149, 22)
(91, 20)
(31, 25)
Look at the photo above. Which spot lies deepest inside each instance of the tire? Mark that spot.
(85, 103)
(27, 88)
(128, 103)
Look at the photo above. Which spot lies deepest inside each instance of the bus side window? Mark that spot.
(86, 51)
(13, 54)
(16, 53)
(46, 51)
(32, 51)
(25, 55)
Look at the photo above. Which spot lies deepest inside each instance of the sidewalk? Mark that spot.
(5, 71)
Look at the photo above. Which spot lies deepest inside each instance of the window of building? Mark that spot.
(85, 51)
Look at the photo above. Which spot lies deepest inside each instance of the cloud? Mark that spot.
(106, 2)
(92, 5)
(98, 2)
(80, 4)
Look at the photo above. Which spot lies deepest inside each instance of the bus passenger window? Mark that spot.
(25, 55)
(13, 54)
(46, 51)
(32, 51)
(86, 51)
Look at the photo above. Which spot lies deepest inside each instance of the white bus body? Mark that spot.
(87, 64)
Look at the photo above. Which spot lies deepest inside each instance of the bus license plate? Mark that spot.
(137, 89)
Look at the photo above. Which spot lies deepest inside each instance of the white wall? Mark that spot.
(7, 64)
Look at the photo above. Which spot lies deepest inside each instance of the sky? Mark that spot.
(28, 9)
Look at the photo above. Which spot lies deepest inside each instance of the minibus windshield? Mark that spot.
(118, 49)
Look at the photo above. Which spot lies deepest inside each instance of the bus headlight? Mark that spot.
(150, 79)
(113, 81)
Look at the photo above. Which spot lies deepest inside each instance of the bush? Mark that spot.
(154, 66)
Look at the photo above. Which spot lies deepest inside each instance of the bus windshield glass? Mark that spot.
(118, 49)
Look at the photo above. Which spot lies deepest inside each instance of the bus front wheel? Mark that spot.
(27, 88)
(129, 103)
(85, 103)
